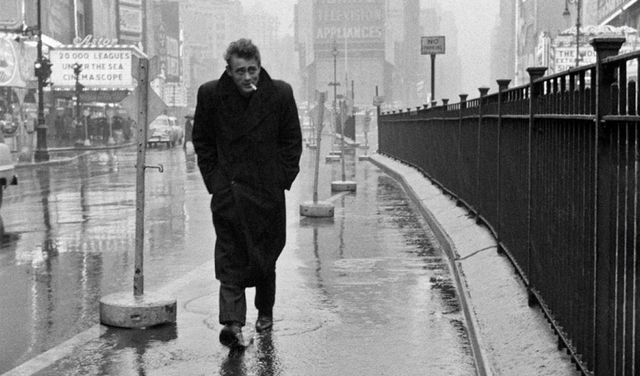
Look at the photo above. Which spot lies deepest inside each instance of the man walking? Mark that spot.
(248, 141)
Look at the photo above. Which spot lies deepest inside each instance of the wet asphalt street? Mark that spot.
(365, 293)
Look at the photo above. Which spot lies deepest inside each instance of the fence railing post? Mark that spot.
(535, 90)
(483, 92)
(604, 268)
(463, 105)
(502, 86)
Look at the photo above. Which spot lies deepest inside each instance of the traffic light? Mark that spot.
(43, 70)
(79, 86)
(77, 69)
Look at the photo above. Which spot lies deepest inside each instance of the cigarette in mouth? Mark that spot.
(253, 87)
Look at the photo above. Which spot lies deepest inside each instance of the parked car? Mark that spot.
(164, 130)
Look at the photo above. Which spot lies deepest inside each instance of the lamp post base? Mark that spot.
(125, 310)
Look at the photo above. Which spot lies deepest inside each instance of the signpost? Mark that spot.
(433, 45)
(140, 309)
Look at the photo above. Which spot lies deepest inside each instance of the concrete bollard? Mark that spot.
(318, 209)
(125, 310)
(343, 185)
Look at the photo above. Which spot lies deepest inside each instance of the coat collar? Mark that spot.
(260, 105)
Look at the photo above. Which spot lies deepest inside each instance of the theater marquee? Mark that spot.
(101, 67)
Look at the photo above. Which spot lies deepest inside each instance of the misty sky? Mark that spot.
(283, 9)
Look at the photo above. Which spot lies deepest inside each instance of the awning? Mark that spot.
(624, 6)
(97, 95)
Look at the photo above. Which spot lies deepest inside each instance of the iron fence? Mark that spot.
(551, 168)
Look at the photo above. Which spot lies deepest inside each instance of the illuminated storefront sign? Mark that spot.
(16, 62)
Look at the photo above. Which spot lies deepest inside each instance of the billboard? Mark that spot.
(130, 21)
(167, 38)
(563, 49)
(101, 67)
(11, 14)
(359, 22)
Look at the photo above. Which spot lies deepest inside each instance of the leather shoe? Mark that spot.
(231, 336)
(263, 323)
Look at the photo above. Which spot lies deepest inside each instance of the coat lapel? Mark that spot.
(238, 121)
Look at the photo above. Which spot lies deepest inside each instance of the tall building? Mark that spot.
(208, 26)
(503, 42)
(533, 18)
(262, 29)
(407, 55)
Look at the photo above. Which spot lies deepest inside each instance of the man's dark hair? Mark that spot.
(243, 48)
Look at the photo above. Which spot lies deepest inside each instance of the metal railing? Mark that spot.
(551, 168)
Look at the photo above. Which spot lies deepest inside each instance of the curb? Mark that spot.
(507, 336)
(448, 246)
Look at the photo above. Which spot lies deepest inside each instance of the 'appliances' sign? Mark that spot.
(101, 67)
(360, 22)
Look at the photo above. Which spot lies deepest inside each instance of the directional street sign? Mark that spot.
(155, 107)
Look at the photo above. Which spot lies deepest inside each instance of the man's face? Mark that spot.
(244, 73)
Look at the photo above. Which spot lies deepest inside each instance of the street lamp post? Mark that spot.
(335, 83)
(41, 153)
(77, 69)
(566, 13)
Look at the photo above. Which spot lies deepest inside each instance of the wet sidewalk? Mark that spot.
(369, 292)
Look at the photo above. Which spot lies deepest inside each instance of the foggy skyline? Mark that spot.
(474, 20)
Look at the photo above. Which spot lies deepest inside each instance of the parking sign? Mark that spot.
(432, 45)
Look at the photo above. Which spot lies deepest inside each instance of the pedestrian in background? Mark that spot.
(248, 141)
(188, 130)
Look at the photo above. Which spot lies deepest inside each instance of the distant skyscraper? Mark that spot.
(208, 27)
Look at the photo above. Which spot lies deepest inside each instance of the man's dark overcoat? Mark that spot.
(248, 154)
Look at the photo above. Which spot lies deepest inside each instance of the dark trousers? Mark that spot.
(233, 303)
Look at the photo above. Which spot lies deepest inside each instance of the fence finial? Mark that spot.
(503, 84)
(607, 46)
(536, 72)
(463, 100)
